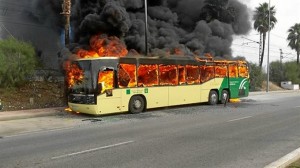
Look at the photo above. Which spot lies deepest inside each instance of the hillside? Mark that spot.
(33, 95)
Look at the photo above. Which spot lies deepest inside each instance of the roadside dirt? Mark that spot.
(33, 95)
(272, 86)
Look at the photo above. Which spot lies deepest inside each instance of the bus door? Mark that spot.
(233, 80)
(109, 99)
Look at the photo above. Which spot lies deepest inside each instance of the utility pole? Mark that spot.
(268, 60)
(66, 11)
(281, 56)
(281, 69)
(146, 27)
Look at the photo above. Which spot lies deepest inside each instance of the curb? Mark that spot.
(25, 114)
(285, 160)
(278, 91)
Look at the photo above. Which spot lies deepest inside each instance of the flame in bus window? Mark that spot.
(74, 74)
(243, 71)
(168, 75)
(192, 74)
(221, 71)
(207, 73)
(147, 75)
(233, 71)
(106, 78)
(127, 75)
(181, 75)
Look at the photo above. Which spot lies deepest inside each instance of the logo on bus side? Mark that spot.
(128, 91)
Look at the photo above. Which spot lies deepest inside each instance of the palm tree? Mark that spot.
(294, 39)
(261, 24)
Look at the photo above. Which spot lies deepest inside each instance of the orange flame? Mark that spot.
(104, 46)
(74, 74)
(178, 51)
(127, 75)
(106, 79)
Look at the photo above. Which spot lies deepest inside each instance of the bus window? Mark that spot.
(243, 71)
(192, 74)
(147, 75)
(233, 71)
(127, 75)
(181, 74)
(221, 71)
(168, 75)
(207, 73)
(106, 79)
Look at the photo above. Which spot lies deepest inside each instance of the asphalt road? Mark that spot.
(252, 133)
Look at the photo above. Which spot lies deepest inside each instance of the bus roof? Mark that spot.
(177, 60)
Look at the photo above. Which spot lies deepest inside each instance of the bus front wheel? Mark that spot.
(136, 104)
(213, 97)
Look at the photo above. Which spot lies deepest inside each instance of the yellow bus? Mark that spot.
(109, 85)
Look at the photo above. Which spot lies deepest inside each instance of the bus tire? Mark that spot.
(136, 104)
(224, 96)
(213, 97)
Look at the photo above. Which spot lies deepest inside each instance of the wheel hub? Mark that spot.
(137, 104)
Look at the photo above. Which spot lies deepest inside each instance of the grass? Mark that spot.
(295, 164)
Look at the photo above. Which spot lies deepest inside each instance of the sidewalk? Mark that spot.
(23, 114)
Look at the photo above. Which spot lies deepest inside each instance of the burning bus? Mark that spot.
(105, 85)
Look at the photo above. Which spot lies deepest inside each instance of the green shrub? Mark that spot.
(17, 61)
(292, 72)
(277, 70)
(256, 77)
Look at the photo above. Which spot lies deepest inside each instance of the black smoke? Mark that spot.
(194, 26)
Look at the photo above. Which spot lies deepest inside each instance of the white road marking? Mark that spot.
(91, 150)
(240, 119)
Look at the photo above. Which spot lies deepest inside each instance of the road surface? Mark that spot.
(252, 133)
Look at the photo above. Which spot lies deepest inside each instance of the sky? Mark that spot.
(287, 14)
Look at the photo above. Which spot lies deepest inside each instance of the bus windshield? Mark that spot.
(79, 78)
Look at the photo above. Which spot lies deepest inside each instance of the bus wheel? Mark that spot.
(136, 104)
(224, 96)
(213, 97)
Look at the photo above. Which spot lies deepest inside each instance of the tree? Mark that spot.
(17, 61)
(292, 72)
(294, 39)
(256, 77)
(277, 70)
(261, 24)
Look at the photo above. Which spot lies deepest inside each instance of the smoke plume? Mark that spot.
(192, 26)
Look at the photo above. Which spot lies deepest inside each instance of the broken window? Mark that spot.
(147, 75)
(168, 75)
(192, 74)
(127, 75)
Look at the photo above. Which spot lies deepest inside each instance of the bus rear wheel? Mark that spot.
(224, 96)
(136, 104)
(213, 97)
